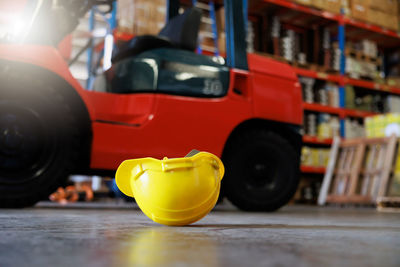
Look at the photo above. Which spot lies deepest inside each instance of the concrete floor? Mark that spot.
(294, 236)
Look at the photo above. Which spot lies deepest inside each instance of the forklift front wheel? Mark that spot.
(37, 140)
(262, 171)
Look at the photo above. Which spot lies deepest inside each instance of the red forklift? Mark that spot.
(159, 98)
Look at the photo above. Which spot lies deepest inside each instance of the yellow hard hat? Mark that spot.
(175, 191)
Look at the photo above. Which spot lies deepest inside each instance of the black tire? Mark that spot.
(262, 171)
(38, 140)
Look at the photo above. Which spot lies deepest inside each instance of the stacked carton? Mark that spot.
(380, 12)
(220, 16)
(304, 2)
(328, 5)
(140, 17)
(384, 13)
(333, 6)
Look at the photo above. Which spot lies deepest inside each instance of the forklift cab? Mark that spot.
(167, 63)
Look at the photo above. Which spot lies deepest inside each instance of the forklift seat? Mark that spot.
(180, 32)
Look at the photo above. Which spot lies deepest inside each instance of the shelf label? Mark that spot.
(322, 75)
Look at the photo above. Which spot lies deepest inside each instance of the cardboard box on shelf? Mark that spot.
(391, 22)
(304, 2)
(222, 43)
(386, 6)
(220, 18)
(383, 19)
(330, 5)
(359, 9)
(333, 6)
(375, 17)
(318, 4)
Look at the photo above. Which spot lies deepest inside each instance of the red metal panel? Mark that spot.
(46, 57)
(179, 124)
(130, 109)
(276, 90)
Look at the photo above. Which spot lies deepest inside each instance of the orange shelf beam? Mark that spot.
(358, 113)
(305, 9)
(370, 27)
(316, 140)
(322, 108)
(317, 75)
(312, 169)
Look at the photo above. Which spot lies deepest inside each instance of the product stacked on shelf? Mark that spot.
(250, 37)
(393, 68)
(321, 92)
(393, 104)
(288, 46)
(322, 126)
(314, 157)
(362, 60)
(354, 128)
(382, 125)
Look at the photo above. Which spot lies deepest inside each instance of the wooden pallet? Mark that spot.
(358, 170)
(388, 204)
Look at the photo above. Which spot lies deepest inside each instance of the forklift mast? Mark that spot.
(235, 29)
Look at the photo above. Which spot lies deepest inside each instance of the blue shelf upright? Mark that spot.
(92, 24)
(111, 20)
(342, 91)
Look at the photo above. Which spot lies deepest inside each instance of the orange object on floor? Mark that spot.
(71, 194)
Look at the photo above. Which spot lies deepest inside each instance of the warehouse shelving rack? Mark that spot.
(346, 28)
